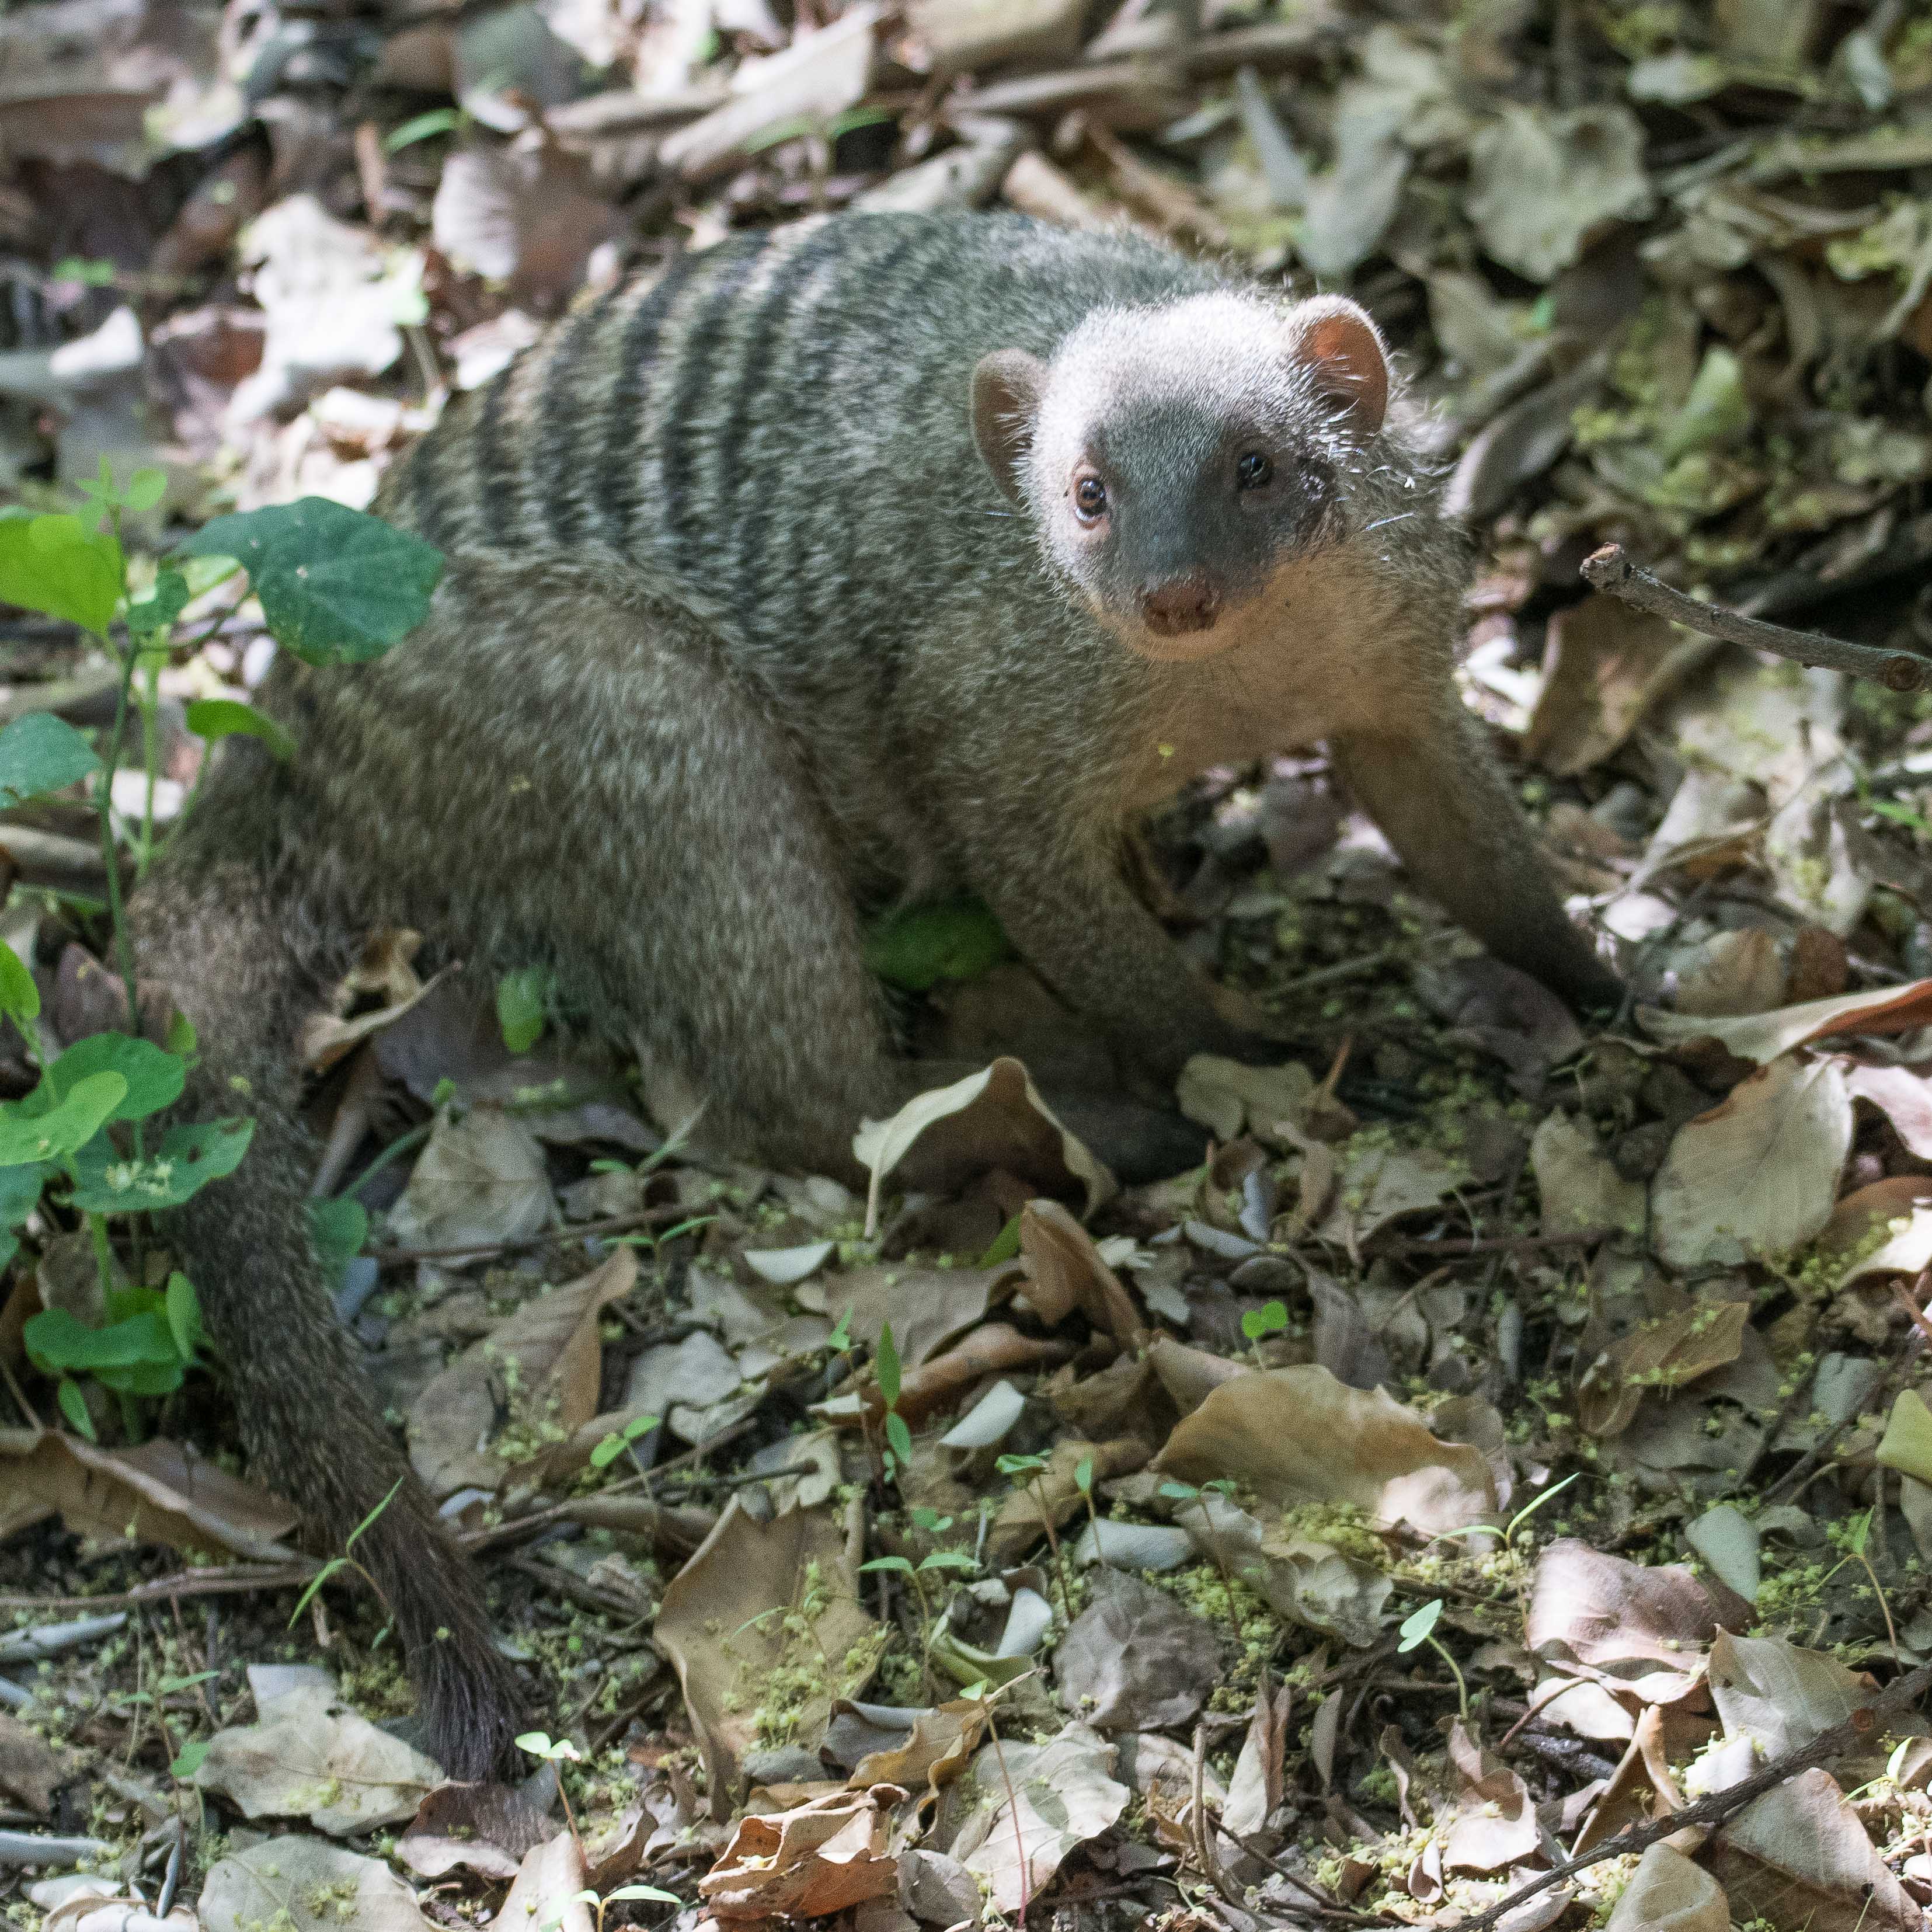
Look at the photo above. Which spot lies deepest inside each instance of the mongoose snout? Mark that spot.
(1179, 606)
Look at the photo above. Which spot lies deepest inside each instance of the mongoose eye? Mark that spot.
(1253, 472)
(1090, 499)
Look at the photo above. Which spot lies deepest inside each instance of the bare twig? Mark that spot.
(1863, 1726)
(1609, 569)
(1495, 1244)
(611, 1224)
(230, 1582)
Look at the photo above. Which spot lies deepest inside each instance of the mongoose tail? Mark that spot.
(241, 968)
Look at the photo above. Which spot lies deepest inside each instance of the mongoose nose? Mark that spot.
(1186, 604)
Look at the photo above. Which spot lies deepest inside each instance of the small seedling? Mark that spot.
(559, 1752)
(886, 1369)
(1420, 1629)
(347, 1560)
(1028, 1470)
(1271, 1318)
(614, 1444)
(645, 1893)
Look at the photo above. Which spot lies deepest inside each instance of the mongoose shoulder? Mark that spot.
(871, 557)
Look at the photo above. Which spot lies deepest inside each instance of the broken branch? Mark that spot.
(1610, 571)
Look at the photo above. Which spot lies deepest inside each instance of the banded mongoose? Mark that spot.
(872, 557)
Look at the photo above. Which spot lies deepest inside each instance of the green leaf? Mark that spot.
(57, 1340)
(181, 1036)
(57, 566)
(157, 610)
(1006, 1245)
(1265, 1320)
(336, 586)
(41, 753)
(898, 1437)
(187, 1160)
(19, 997)
(183, 1314)
(74, 1406)
(1418, 1628)
(522, 1001)
(1083, 1477)
(886, 1365)
(613, 1445)
(897, 1565)
(650, 1893)
(375, 1513)
(215, 718)
(188, 1759)
(28, 1133)
(154, 1075)
(315, 1583)
(19, 1189)
(953, 939)
(948, 1559)
(338, 1229)
(1717, 410)
(145, 488)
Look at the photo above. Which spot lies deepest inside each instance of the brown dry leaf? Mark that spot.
(1798, 1856)
(160, 1492)
(1734, 973)
(1299, 1436)
(1062, 1793)
(99, 1906)
(1065, 1272)
(481, 1179)
(822, 1857)
(725, 1625)
(1665, 1352)
(1667, 1893)
(1135, 1659)
(535, 1375)
(1758, 1174)
(1763, 1037)
(1494, 1818)
(31, 1770)
(521, 215)
(386, 969)
(1379, 1183)
(1230, 1099)
(993, 1349)
(941, 1741)
(544, 1896)
(1903, 1097)
(306, 1884)
(1767, 1689)
(1643, 1628)
(992, 1119)
(929, 1308)
(308, 1756)
(1884, 1228)
(1577, 1183)
(1605, 664)
(483, 1828)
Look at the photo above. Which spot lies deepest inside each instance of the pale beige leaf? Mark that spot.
(1577, 1183)
(479, 1180)
(1763, 1037)
(544, 1897)
(1605, 664)
(1799, 1856)
(1758, 1175)
(306, 1884)
(1778, 1695)
(1298, 1435)
(1667, 1893)
(1903, 1097)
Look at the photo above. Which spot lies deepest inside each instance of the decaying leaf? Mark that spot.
(1764, 1036)
(309, 1756)
(309, 1886)
(534, 1380)
(1299, 1436)
(824, 1857)
(479, 1180)
(1135, 1659)
(1667, 1893)
(1758, 1174)
(1580, 1187)
(1798, 1855)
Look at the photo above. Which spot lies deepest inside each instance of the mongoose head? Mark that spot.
(1177, 460)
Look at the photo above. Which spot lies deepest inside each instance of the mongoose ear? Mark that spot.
(1336, 341)
(1007, 386)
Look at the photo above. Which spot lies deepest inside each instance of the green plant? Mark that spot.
(1083, 1481)
(1028, 1470)
(898, 1438)
(335, 587)
(1268, 1319)
(607, 1451)
(934, 1562)
(643, 1892)
(347, 1560)
(1420, 1629)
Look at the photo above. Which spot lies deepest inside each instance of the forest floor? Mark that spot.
(1510, 1451)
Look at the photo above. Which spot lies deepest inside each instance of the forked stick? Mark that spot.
(1609, 570)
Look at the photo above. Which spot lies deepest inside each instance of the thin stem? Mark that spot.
(104, 799)
(1609, 570)
(1461, 1688)
(148, 698)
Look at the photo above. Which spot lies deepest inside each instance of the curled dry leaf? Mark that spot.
(726, 1623)
(31, 1769)
(1299, 1577)
(1259, 1777)
(1763, 1037)
(484, 1828)
(479, 1180)
(1884, 1228)
(1759, 1173)
(1065, 1272)
(1494, 1818)
(535, 1374)
(1905, 1098)
(992, 1119)
(1643, 1628)
(1665, 1352)
(994, 1347)
(1231, 1099)
(161, 1491)
(1667, 1893)
(306, 1884)
(1799, 1855)
(935, 1753)
(387, 970)
(310, 1757)
(1298, 1435)
(824, 1857)
(1028, 1813)
(929, 1308)
(1379, 1183)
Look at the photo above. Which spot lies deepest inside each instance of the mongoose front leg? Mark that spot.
(1428, 780)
